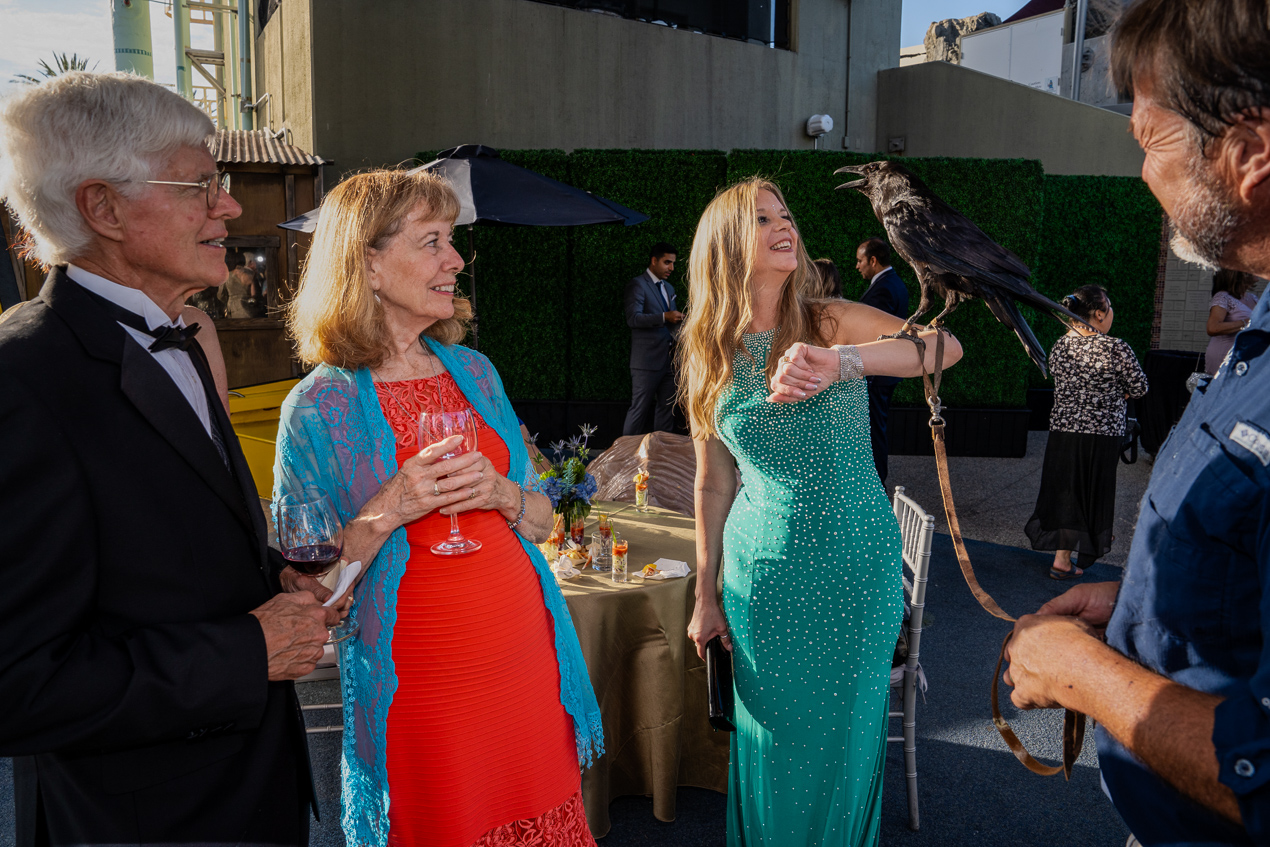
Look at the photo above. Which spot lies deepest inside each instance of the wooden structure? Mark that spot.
(274, 182)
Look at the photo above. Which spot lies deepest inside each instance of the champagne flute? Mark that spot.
(312, 539)
(438, 426)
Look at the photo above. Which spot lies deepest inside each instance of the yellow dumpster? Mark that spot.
(254, 413)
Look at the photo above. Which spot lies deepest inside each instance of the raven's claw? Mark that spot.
(909, 331)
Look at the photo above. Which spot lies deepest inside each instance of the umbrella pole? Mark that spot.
(471, 251)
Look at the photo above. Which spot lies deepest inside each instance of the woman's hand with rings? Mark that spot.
(804, 371)
(424, 484)
(489, 489)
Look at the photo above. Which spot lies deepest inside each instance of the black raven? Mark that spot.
(952, 257)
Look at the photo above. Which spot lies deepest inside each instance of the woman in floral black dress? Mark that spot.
(1093, 374)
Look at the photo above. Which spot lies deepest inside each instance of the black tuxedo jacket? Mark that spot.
(136, 697)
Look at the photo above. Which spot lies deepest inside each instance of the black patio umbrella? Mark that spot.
(491, 190)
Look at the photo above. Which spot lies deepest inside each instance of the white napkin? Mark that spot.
(563, 568)
(347, 575)
(668, 569)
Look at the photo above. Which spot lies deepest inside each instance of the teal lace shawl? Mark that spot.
(333, 434)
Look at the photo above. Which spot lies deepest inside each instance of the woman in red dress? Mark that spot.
(467, 704)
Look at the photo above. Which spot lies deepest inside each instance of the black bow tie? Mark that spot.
(167, 337)
(172, 337)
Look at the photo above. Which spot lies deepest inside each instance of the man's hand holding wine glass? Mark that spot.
(295, 628)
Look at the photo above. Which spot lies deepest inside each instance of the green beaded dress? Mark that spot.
(812, 593)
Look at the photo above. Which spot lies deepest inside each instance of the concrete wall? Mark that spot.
(393, 77)
(946, 110)
(284, 69)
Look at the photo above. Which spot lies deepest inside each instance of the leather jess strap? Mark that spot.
(1073, 722)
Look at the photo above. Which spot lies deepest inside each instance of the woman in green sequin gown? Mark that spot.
(810, 549)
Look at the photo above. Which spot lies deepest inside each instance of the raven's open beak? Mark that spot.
(851, 169)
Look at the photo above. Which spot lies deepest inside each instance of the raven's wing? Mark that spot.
(928, 230)
(934, 232)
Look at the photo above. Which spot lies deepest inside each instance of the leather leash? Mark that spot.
(1073, 722)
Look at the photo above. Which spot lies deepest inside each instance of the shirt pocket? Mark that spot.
(1200, 543)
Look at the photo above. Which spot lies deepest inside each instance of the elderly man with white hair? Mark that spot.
(149, 633)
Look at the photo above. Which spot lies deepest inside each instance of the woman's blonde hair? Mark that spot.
(720, 300)
(334, 316)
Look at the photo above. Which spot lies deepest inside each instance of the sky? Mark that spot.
(36, 29)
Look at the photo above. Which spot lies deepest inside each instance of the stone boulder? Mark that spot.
(943, 38)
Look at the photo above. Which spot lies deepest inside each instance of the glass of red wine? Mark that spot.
(312, 538)
(438, 426)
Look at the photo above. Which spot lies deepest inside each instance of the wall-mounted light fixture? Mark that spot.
(818, 125)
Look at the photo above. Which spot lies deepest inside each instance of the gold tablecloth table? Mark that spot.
(647, 677)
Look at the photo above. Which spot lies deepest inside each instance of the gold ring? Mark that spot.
(471, 494)
(436, 489)
(784, 358)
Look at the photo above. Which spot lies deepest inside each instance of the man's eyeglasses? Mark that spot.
(213, 185)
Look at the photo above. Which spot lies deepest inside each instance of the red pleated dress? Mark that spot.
(480, 750)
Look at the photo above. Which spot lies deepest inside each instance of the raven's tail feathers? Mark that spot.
(1008, 313)
(1062, 314)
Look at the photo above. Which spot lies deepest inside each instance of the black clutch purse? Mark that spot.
(719, 684)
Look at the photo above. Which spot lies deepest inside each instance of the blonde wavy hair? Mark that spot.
(720, 300)
(334, 316)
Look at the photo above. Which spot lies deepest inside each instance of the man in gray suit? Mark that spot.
(649, 303)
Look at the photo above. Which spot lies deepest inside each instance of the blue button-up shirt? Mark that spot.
(1195, 598)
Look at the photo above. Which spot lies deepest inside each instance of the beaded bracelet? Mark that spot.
(520, 517)
(850, 365)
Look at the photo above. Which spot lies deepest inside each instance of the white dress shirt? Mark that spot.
(878, 274)
(177, 363)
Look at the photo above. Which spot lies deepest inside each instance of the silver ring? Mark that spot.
(436, 489)
(726, 637)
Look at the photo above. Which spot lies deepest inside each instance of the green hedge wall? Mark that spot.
(550, 299)
(673, 188)
(1103, 230)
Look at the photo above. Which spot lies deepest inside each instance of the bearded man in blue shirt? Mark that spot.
(1181, 686)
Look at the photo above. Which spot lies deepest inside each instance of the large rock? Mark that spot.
(943, 39)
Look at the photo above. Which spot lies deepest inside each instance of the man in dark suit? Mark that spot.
(651, 313)
(887, 292)
(147, 647)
